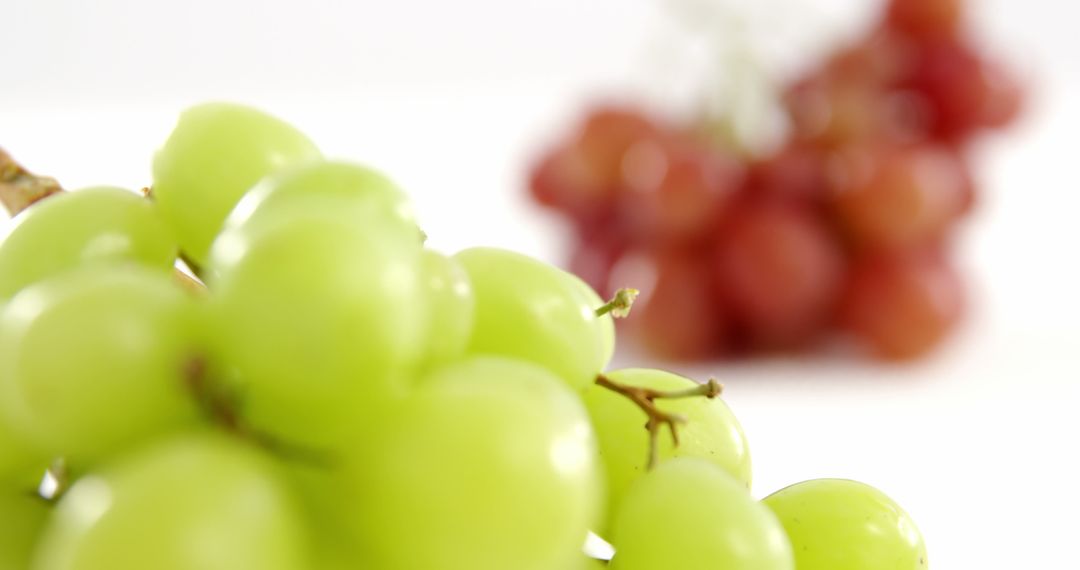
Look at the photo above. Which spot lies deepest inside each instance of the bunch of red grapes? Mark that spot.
(841, 233)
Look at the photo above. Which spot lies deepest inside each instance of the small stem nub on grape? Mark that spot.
(194, 266)
(645, 398)
(19, 188)
(188, 283)
(619, 305)
(217, 403)
(55, 481)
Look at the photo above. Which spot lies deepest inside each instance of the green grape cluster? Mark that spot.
(331, 394)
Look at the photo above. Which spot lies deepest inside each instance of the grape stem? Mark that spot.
(188, 283)
(54, 482)
(645, 398)
(619, 305)
(194, 266)
(19, 188)
(222, 406)
(193, 278)
(218, 404)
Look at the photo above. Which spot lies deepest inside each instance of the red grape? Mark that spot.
(891, 197)
(903, 305)
(1004, 97)
(581, 177)
(878, 59)
(833, 113)
(963, 92)
(781, 271)
(606, 135)
(925, 18)
(566, 181)
(676, 191)
(796, 173)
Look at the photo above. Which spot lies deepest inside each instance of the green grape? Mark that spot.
(215, 154)
(350, 194)
(837, 524)
(363, 193)
(315, 485)
(689, 514)
(200, 502)
(93, 360)
(22, 516)
(530, 310)
(711, 431)
(488, 466)
(96, 225)
(450, 305)
(322, 321)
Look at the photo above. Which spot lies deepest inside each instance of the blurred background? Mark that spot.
(458, 101)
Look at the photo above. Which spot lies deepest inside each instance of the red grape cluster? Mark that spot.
(844, 228)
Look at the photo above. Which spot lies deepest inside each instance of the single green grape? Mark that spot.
(197, 502)
(22, 516)
(215, 154)
(72, 229)
(93, 360)
(711, 431)
(322, 322)
(489, 465)
(363, 192)
(690, 514)
(837, 524)
(350, 194)
(451, 306)
(317, 489)
(530, 310)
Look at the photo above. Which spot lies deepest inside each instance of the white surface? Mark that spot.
(452, 98)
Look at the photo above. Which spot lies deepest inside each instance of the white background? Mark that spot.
(454, 98)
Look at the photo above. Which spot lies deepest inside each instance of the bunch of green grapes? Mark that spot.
(327, 393)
